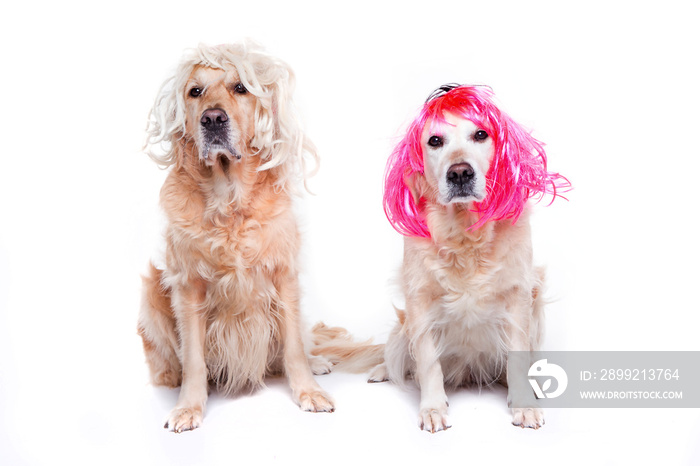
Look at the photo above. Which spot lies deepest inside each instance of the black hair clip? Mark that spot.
(442, 90)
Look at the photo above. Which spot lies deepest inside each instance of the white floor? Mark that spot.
(121, 423)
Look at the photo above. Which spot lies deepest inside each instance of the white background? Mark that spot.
(611, 87)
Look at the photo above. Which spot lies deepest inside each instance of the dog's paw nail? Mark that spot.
(316, 402)
(184, 419)
(532, 418)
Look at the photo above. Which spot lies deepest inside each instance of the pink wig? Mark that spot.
(518, 170)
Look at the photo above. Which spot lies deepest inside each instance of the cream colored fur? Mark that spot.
(225, 310)
(471, 296)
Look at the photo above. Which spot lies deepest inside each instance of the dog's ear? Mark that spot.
(417, 185)
(166, 122)
(405, 186)
(279, 135)
(274, 96)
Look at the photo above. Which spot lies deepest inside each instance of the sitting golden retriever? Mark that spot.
(456, 187)
(225, 309)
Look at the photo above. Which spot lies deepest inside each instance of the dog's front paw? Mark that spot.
(434, 419)
(378, 374)
(320, 365)
(184, 419)
(528, 417)
(315, 402)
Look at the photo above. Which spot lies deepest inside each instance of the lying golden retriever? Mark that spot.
(456, 187)
(225, 309)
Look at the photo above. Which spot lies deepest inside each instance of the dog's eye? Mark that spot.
(480, 135)
(195, 92)
(435, 141)
(240, 89)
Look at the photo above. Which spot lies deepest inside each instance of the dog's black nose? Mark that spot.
(214, 118)
(460, 174)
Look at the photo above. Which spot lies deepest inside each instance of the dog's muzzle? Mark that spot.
(460, 181)
(216, 139)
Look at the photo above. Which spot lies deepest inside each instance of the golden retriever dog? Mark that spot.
(456, 187)
(224, 311)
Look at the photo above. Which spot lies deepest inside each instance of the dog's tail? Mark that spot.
(338, 346)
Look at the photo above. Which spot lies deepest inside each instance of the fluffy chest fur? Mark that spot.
(230, 233)
(462, 287)
(234, 235)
